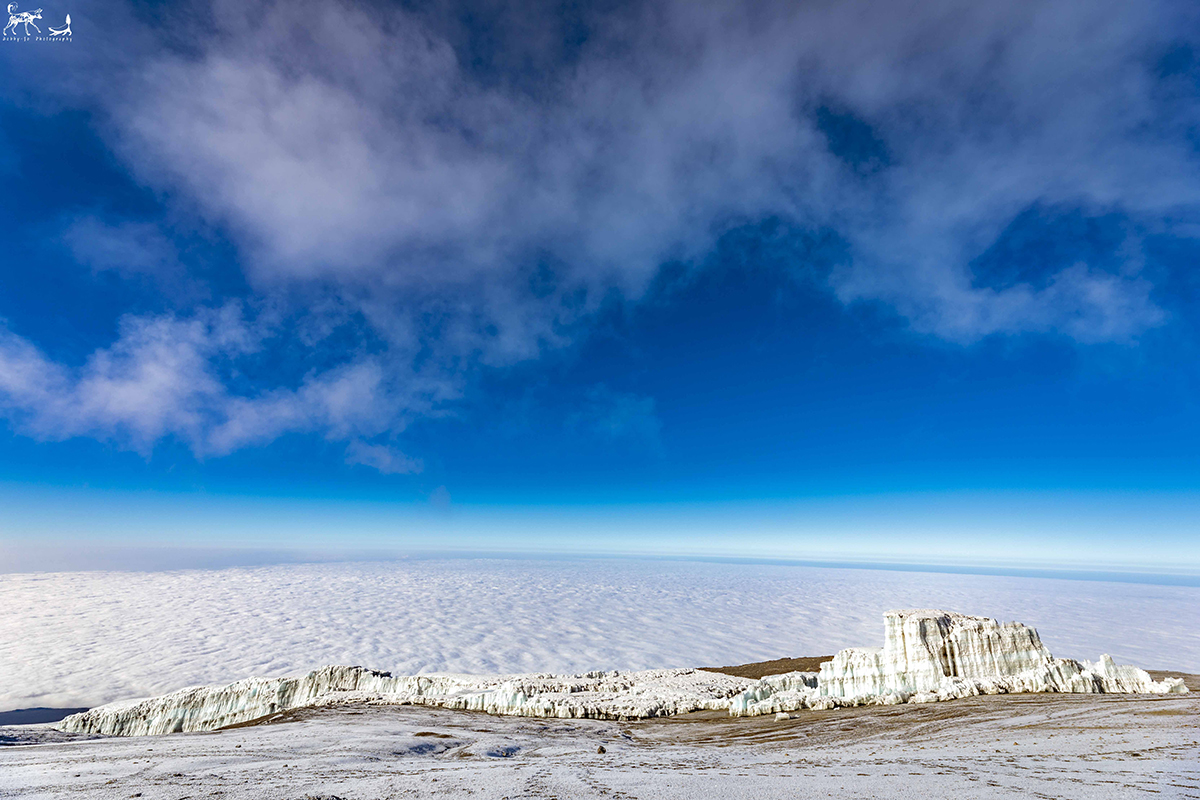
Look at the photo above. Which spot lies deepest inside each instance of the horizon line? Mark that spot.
(166, 558)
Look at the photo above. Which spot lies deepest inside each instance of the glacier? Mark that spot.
(593, 695)
(931, 655)
(927, 656)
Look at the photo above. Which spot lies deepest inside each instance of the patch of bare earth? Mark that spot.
(778, 666)
(1192, 682)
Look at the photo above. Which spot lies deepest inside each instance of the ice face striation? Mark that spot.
(923, 648)
(926, 656)
(930, 655)
(593, 695)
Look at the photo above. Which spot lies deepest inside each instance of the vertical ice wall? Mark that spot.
(930, 655)
(922, 648)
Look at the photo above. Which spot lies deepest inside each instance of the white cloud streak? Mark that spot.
(386, 459)
(376, 159)
(161, 379)
(353, 152)
(129, 248)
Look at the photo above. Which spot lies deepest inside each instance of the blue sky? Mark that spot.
(776, 280)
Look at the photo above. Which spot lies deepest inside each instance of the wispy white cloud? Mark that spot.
(378, 160)
(353, 154)
(126, 247)
(161, 378)
(1089, 305)
(384, 458)
(156, 379)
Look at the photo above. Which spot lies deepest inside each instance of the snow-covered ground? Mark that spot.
(1017, 746)
(81, 639)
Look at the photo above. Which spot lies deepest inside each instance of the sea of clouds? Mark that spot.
(85, 638)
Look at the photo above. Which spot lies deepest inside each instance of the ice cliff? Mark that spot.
(930, 655)
(594, 695)
(926, 656)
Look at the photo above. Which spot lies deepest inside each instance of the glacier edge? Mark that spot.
(927, 656)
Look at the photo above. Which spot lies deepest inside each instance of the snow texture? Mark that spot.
(1069, 747)
(87, 638)
(927, 656)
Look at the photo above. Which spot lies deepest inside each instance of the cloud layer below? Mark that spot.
(73, 639)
